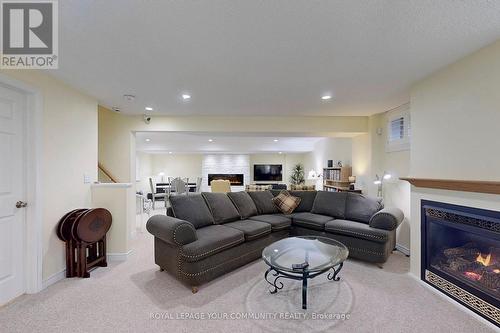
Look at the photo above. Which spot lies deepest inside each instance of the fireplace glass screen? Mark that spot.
(472, 258)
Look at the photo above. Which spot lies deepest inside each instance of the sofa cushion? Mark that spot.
(211, 239)
(257, 188)
(286, 202)
(221, 207)
(310, 220)
(191, 208)
(306, 200)
(264, 202)
(330, 203)
(361, 208)
(243, 203)
(251, 228)
(302, 187)
(277, 221)
(357, 230)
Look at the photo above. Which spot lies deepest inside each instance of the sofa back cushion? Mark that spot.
(303, 187)
(330, 203)
(221, 207)
(191, 208)
(306, 200)
(264, 202)
(243, 203)
(361, 208)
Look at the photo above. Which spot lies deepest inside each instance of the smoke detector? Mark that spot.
(129, 97)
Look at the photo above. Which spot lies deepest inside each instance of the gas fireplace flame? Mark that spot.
(485, 261)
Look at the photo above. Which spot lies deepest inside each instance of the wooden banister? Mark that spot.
(107, 173)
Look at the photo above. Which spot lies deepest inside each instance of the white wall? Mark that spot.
(69, 150)
(288, 161)
(455, 133)
(144, 167)
(226, 163)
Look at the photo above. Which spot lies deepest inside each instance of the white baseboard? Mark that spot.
(118, 256)
(62, 274)
(455, 303)
(403, 249)
(53, 279)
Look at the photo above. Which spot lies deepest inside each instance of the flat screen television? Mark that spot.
(267, 172)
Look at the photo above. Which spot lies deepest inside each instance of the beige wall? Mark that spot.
(69, 150)
(190, 165)
(177, 165)
(455, 133)
(370, 158)
(328, 149)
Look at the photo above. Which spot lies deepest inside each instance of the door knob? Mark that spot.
(21, 204)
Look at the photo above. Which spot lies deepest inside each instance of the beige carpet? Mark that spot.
(134, 296)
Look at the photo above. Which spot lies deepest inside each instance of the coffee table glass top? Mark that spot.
(320, 253)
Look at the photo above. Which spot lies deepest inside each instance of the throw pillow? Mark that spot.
(285, 202)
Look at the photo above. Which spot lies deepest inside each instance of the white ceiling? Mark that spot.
(177, 142)
(256, 57)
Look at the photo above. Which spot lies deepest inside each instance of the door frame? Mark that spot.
(33, 138)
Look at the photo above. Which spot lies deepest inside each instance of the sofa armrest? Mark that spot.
(171, 230)
(387, 218)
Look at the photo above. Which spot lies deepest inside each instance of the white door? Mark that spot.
(12, 190)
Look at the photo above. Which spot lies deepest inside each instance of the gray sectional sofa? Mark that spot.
(207, 235)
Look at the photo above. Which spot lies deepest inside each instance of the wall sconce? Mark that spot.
(380, 182)
(313, 175)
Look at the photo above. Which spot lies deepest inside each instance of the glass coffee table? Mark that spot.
(303, 258)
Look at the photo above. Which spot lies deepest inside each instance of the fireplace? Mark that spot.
(236, 179)
(461, 255)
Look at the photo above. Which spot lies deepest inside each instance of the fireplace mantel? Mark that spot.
(479, 186)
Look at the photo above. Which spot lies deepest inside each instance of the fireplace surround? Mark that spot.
(461, 255)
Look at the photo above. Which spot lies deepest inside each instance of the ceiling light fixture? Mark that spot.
(210, 140)
(170, 152)
(280, 152)
(147, 140)
(129, 97)
(186, 97)
(275, 140)
(148, 108)
(326, 97)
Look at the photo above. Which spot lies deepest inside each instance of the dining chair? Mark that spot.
(179, 186)
(154, 195)
(198, 184)
(220, 186)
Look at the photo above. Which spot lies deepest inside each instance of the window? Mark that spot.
(398, 128)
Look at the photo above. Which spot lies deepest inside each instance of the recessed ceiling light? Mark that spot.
(210, 140)
(280, 152)
(148, 108)
(326, 97)
(186, 97)
(170, 152)
(275, 140)
(147, 140)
